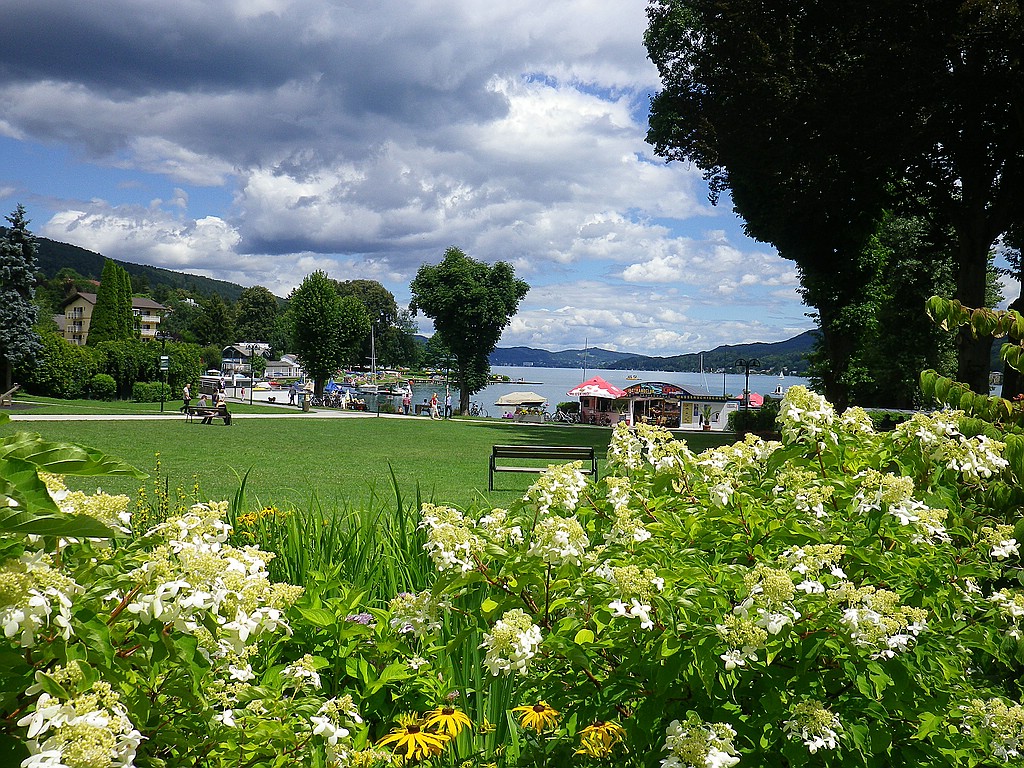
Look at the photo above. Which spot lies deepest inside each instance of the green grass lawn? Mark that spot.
(341, 461)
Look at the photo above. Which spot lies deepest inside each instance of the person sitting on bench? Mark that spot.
(220, 413)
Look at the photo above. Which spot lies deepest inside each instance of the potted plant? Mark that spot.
(706, 419)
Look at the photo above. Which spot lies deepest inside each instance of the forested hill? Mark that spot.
(569, 358)
(54, 256)
(790, 355)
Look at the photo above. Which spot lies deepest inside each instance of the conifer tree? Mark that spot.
(19, 342)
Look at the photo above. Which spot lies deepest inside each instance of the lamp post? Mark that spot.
(746, 365)
(164, 368)
(252, 373)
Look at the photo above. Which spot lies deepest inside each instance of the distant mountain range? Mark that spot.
(789, 355)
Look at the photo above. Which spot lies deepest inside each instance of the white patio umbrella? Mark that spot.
(514, 399)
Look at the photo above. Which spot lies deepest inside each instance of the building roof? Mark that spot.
(137, 301)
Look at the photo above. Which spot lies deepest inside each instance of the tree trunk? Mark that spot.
(971, 281)
(1013, 381)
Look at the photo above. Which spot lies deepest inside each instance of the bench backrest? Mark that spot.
(542, 452)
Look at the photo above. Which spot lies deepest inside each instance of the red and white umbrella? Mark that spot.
(597, 387)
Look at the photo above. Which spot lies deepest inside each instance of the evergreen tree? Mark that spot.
(108, 322)
(19, 342)
(124, 312)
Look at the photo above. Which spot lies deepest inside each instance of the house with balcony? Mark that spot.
(77, 313)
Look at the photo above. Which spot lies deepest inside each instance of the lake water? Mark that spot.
(553, 383)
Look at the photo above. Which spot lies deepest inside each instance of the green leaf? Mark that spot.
(583, 636)
(318, 617)
(64, 458)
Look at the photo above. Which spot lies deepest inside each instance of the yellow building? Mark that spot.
(78, 312)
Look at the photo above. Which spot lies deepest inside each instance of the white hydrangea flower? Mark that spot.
(812, 723)
(451, 542)
(418, 615)
(696, 744)
(559, 540)
(35, 597)
(805, 416)
(90, 728)
(511, 644)
(559, 487)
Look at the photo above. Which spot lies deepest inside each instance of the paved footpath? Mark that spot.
(174, 415)
(287, 412)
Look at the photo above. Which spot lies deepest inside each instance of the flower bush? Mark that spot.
(843, 595)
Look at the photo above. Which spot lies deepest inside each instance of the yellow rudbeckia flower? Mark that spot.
(412, 742)
(446, 720)
(538, 716)
(598, 739)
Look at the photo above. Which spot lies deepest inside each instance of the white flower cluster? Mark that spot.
(559, 540)
(769, 601)
(812, 562)
(876, 620)
(559, 487)
(1011, 608)
(632, 610)
(813, 724)
(333, 723)
(1000, 541)
(34, 597)
(766, 610)
(300, 674)
(696, 744)
(978, 458)
(451, 542)
(634, 448)
(1001, 725)
(804, 416)
(511, 644)
(91, 728)
(195, 576)
(856, 423)
(498, 528)
(895, 493)
(415, 614)
(801, 489)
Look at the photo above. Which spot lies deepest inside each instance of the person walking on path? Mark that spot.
(433, 407)
(407, 401)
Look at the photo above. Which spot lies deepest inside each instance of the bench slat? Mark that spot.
(572, 452)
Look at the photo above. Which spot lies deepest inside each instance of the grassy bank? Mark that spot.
(338, 460)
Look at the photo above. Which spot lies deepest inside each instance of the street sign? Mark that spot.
(165, 362)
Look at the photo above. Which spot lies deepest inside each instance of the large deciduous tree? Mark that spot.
(817, 116)
(470, 303)
(391, 331)
(19, 342)
(256, 315)
(325, 328)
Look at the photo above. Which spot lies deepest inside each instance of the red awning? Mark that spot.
(596, 387)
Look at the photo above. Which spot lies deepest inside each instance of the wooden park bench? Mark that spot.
(561, 453)
(192, 412)
(7, 398)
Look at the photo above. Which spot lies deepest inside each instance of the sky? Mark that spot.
(256, 141)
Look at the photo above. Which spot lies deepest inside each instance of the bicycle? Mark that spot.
(566, 417)
(475, 409)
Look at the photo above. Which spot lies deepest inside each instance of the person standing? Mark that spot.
(186, 397)
(433, 407)
(448, 405)
(407, 401)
